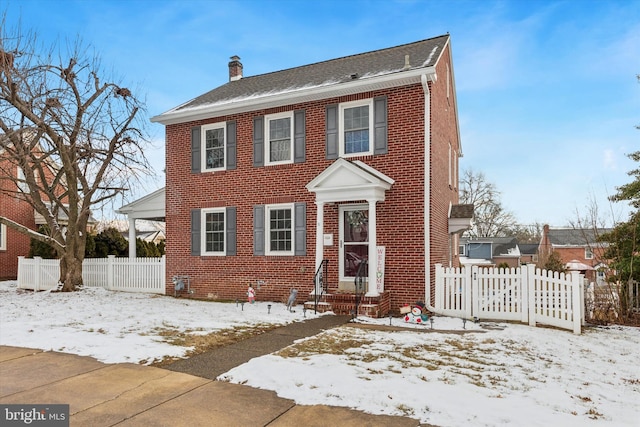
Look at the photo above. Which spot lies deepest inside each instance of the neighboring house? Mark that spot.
(14, 207)
(345, 160)
(490, 251)
(578, 248)
(528, 253)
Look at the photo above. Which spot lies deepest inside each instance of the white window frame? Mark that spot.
(203, 232)
(344, 106)
(588, 253)
(22, 185)
(203, 146)
(267, 228)
(267, 133)
(3, 237)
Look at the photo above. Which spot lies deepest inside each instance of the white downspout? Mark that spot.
(427, 185)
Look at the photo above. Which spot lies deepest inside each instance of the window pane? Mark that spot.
(280, 139)
(214, 148)
(214, 232)
(356, 129)
(280, 232)
(356, 225)
(353, 256)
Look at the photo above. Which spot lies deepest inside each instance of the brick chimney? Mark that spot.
(235, 68)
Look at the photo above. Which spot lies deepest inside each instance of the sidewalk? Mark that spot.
(183, 394)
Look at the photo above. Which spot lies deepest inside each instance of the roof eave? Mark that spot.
(402, 78)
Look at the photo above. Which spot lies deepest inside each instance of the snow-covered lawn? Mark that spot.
(508, 374)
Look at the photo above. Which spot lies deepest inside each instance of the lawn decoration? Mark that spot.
(415, 313)
(292, 299)
(251, 295)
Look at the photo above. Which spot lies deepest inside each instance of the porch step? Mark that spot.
(345, 304)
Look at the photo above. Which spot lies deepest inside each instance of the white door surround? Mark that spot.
(350, 181)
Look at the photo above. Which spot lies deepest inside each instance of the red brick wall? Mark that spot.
(16, 209)
(400, 218)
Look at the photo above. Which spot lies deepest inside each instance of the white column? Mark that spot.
(319, 233)
(132, 237)
(372, 290)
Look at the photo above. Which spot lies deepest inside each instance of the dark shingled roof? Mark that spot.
(422, 54)
(461, 211)
(574, 236)
(528, 248)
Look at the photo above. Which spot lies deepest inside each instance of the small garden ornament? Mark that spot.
(417, 314)
(251, 295)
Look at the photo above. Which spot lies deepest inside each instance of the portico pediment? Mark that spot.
(345, 180)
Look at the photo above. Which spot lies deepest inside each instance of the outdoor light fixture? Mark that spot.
(389, 319)
(304, 311)
(431, 321)
(268, 308)
(464, 323)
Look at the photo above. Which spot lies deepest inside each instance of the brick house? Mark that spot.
(346, 160)
(578, 247)
(14, 207)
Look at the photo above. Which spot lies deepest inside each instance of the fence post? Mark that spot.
(21, 273)
(577, 303)
(472, 277)
(110, 275)
(532, 285)
(439, 287)
(37, 276)
(468, 292)
(524, 293)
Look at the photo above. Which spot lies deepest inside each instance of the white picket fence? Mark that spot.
(146, 275)
(525, 294)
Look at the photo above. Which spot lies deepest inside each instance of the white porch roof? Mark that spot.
(345, 181)
(150, 207)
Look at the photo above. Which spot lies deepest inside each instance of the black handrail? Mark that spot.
(359, 282)
(320, 284)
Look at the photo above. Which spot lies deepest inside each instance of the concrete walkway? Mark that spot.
(184, 394)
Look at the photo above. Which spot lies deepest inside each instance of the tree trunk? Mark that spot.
(71, 271)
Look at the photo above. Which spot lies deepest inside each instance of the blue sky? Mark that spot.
(547, 90)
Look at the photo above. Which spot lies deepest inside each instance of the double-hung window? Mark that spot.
(588, 253)
(213, 147)
(279, 138)
(356, 128)
(280, 229)
(213, 231)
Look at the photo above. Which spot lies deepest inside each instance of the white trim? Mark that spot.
(21, 181)
(267, 139)
(293, 96)
(267, 229)
(341, 143)
(3, 237)
(203, 232)
(203, 146)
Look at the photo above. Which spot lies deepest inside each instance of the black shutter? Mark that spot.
(299, 144)
(300, 211)
(231, 235)
(332, 132)
(258, 230)
(195, 149)
(380, 145)
(195, 232)
(258, 141)
(231, 145)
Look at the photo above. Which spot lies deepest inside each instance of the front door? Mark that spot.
(354, 239)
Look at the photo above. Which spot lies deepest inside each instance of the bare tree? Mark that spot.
(490, 218)
(77, 139)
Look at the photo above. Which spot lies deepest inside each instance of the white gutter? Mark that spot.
(424, 79)
(292, 96)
